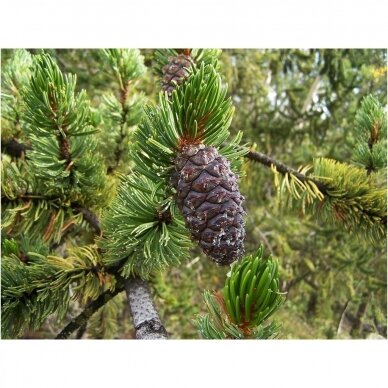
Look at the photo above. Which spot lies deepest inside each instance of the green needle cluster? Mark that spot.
(251, 292)
(250, 296)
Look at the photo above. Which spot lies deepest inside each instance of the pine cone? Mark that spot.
(210, 201)
(175, 72)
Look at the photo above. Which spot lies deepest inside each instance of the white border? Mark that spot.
(196, 363)
(193, 23)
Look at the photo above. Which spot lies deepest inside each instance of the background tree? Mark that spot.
(295, 105)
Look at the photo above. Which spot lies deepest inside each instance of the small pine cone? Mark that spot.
(175, 72)
(210, 201)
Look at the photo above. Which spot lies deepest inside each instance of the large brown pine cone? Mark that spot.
(209, 199)
(175, 72)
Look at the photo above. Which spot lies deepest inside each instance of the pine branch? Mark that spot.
(126, 66)
(36, 285)
(283, 168)
(124, 91)
(81, 331)
(249, 298)
(62, 136)
(370, 149)
(92, 307)
(145, 317)
(143, 228)
(59, 125)
(337, 193)
(88, 215)
(151, 327)
(38, 289)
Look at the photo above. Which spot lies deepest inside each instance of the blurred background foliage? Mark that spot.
(294, 105)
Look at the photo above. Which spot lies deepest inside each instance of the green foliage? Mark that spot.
(25, 210)
(300, 104)
(111, 110)
(304, 192)
(143, 227)
(201, 109)
(62, 156)
(15, 75)
(206, 56)
(199, 112)
(126, 64)
(250, 296)
(52, 104)
(123, 110)
(16, 178)
(22, 306)
(21, 247)
(350, 197)
(104, 324)
(35, 286)
(143, 230)
(117, 126)
(251, 292)
(371, 131)
(40, 194)
(39, 217)
(295, 105)
(353, 200)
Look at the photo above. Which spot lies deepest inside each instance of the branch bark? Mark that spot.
(91, 308)
(145, 317)
(283, 168)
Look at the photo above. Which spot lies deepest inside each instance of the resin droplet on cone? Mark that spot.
(209, 199)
